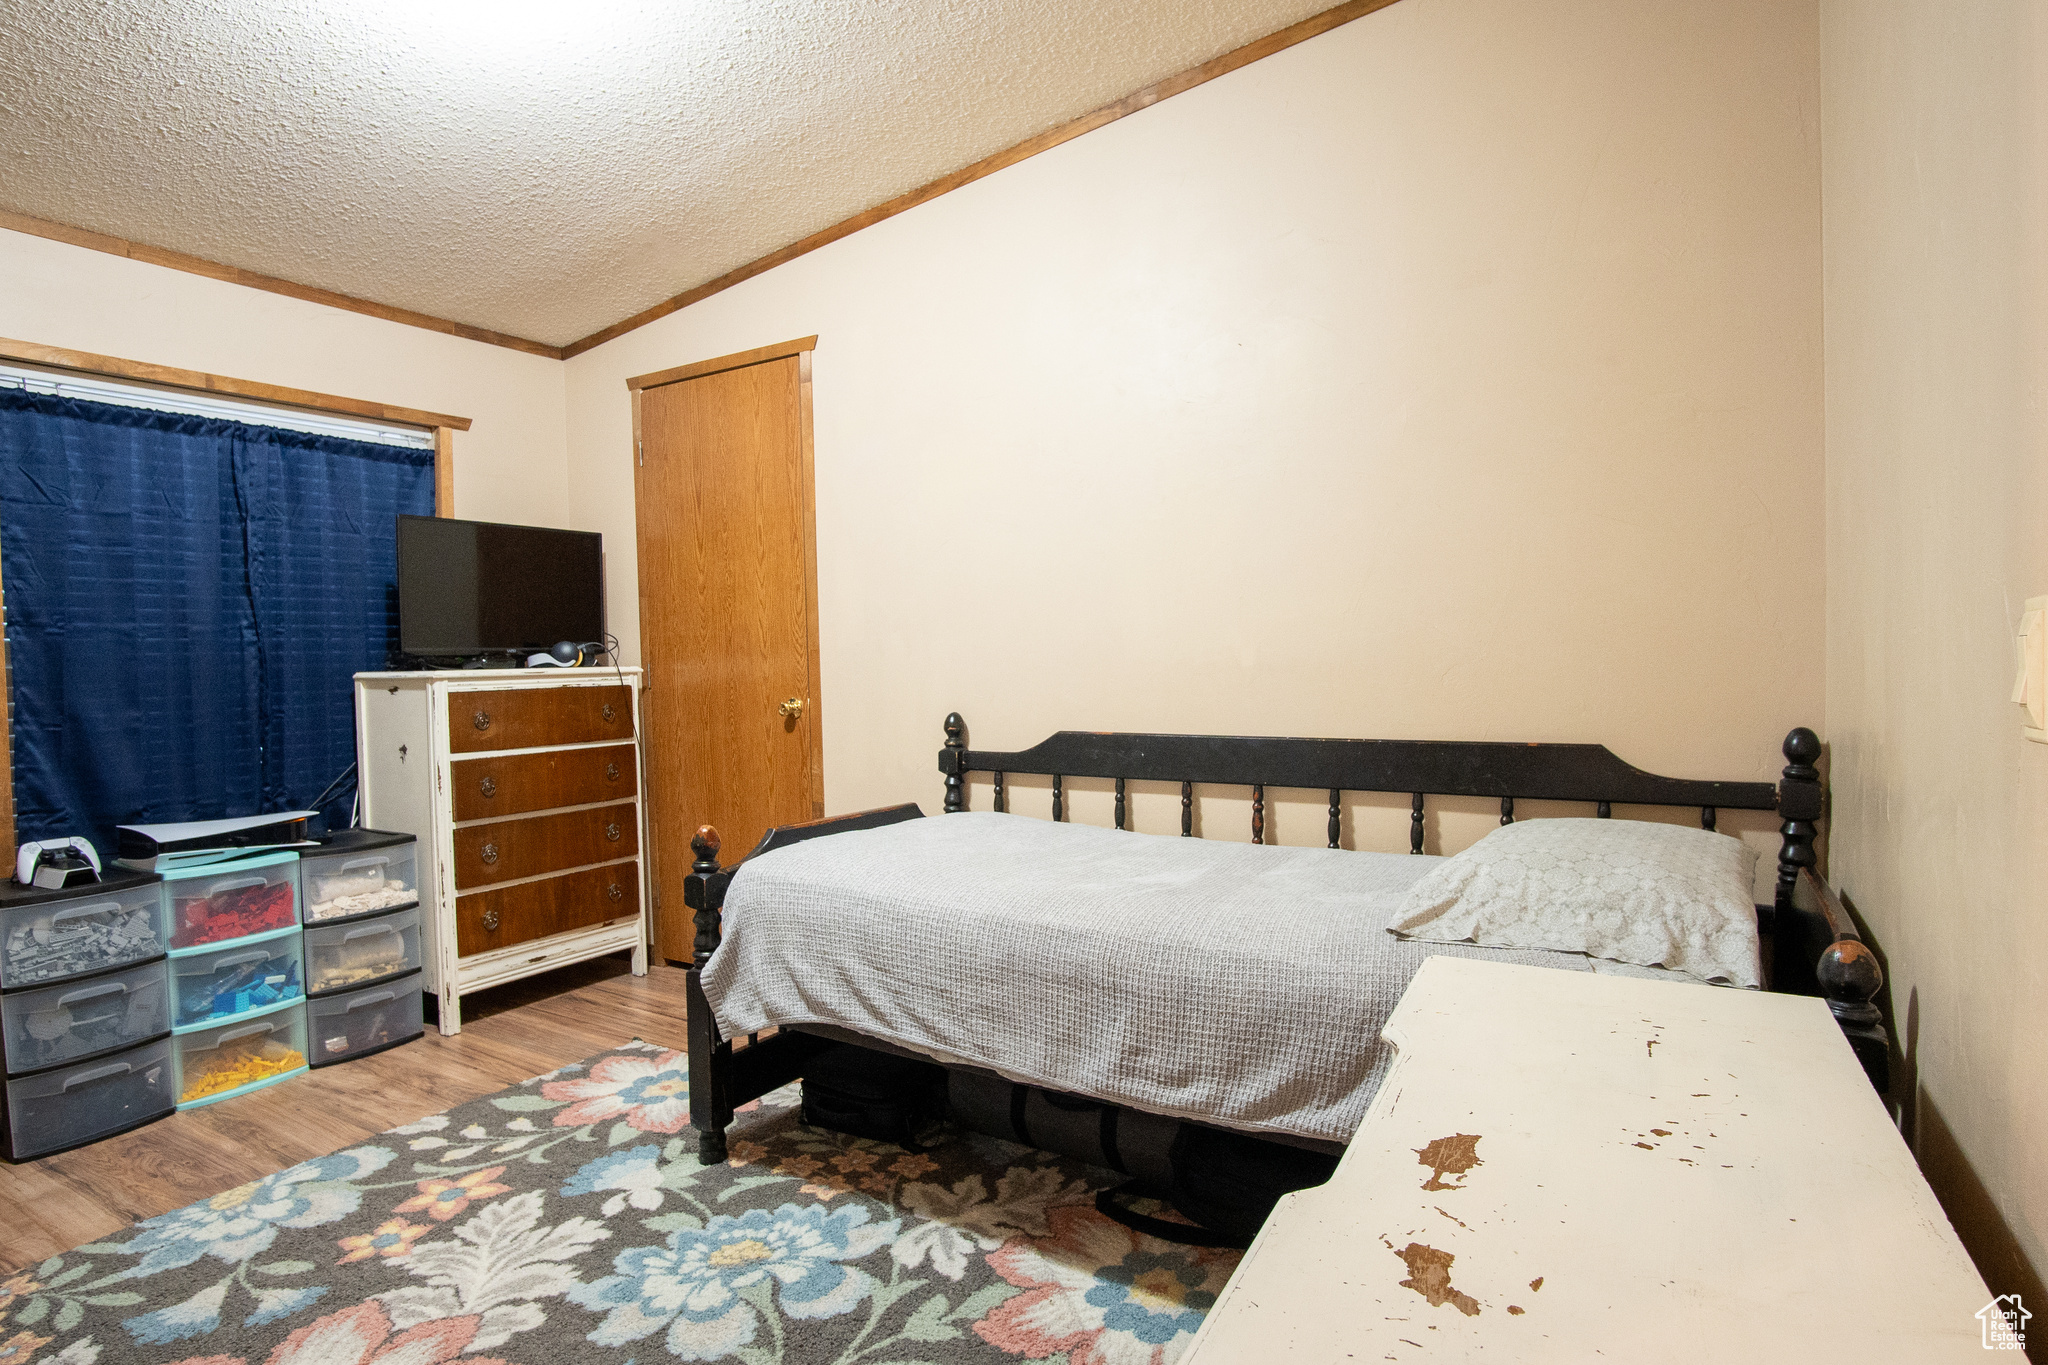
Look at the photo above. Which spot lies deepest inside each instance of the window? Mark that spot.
(189, 586)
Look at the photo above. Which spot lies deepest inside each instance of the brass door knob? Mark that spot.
(489, 786)
(791, 709)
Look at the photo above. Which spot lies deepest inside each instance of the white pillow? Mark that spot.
(1653, 895)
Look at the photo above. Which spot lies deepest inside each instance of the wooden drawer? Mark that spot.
(506, 850)
(518, 783)
(533, 717)
(520, 914)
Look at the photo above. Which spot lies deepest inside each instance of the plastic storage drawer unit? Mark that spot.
(341, 957)
(221, 901)
(221, 1060)
(52, 935)
(244, 977)
(359, 872)
(365, 1021)
(73, 1020)
(78, 1104)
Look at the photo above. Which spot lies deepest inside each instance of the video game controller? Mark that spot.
(54, 864)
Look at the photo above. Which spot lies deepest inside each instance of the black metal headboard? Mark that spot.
(1421, 768)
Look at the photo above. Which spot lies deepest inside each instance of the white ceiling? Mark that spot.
(540, 167)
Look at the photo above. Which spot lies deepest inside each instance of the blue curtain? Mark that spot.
(186, 601)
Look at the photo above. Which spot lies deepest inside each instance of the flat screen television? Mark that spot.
(470, 588)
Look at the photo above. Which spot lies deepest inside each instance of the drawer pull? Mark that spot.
(614, 892)
(93, 992)
(610, 712)
(380, 998)
(490, 919)
(612, 831)
(481, 720)
(489, 787)
(83, 911)
(490, 853)
(98, 1073)
(246, 1031)
(611, 772)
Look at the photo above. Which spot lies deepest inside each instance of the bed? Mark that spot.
(1236, 985)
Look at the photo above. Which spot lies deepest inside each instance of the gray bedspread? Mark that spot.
(1237, 984)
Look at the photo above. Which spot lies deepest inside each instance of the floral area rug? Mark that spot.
(567, 1220)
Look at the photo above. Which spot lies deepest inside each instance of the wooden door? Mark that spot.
(728, 610)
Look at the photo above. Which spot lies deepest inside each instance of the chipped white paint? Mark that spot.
(543, 169)
(1535, 1182)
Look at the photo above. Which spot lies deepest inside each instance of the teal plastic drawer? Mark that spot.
(225, 1060)
(245, 976)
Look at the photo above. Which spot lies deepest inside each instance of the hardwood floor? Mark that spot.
(508, 1033)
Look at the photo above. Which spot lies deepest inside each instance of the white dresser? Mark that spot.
(1563, 1168)
(523, 788)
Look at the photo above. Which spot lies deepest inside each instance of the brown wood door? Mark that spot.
(728, 611)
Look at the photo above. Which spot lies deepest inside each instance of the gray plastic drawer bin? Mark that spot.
(73, 1020)
(365, 1021)
(355, 953)
(359, 872)
(79, 1104)
(47, 936)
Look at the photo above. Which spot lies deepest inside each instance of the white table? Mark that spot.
(1665, 1173)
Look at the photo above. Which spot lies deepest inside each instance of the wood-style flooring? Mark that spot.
(508, 1033)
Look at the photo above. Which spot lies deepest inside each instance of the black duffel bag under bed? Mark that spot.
(1225, 1183)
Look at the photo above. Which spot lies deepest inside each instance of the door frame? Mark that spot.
(675, 944)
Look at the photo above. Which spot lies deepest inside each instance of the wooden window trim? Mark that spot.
(166, 376)
(442, 425)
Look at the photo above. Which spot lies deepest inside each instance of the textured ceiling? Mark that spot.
(542, 169)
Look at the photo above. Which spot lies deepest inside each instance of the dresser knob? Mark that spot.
(490, 919)
(610, 712)
(490, 853)
(611, 772)
(612, 831)
(614, 892)
(481, 720)
(489, 786)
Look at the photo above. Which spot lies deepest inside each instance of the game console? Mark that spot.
(54, 864)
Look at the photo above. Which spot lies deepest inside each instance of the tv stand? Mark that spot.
(523, 788)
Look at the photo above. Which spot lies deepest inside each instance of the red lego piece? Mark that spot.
(234, 914)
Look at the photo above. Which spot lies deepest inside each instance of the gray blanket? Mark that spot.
(1241, 985)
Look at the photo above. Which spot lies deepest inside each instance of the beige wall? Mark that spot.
(1937, 506)
(1454, 374)
(508, 466)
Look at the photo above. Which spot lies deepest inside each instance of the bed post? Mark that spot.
(1800, 802)
(710, 1055)
(950, 760)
